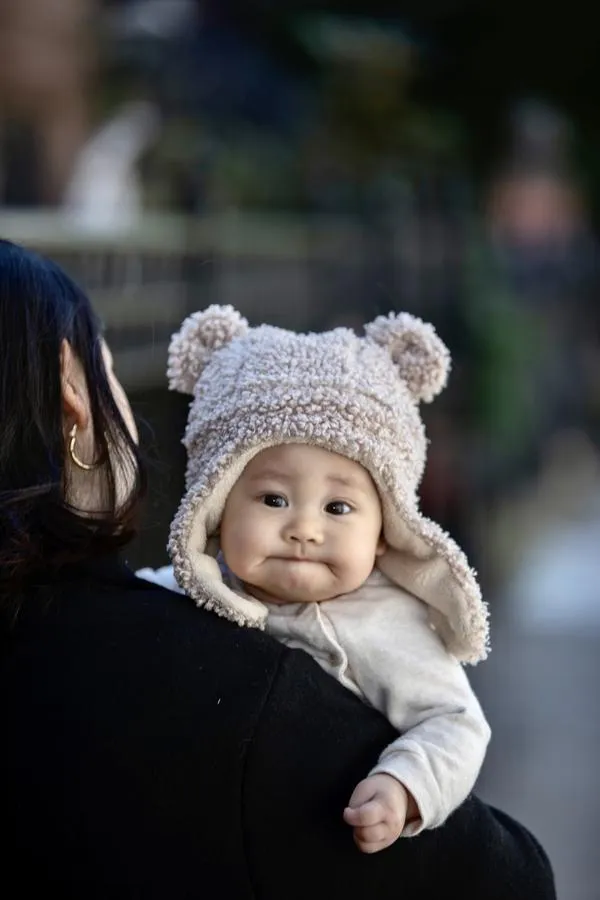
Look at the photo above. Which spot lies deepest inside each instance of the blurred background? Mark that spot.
(317, 164)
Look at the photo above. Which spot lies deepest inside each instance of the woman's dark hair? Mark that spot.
(40, 532)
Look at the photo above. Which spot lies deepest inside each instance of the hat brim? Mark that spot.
(420, 557)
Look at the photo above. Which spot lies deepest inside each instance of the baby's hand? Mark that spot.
(377, 812)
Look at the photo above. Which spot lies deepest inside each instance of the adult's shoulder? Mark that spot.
(313, 743)
(101, 629)
(127, 715)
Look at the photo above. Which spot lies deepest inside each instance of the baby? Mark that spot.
(300, 516)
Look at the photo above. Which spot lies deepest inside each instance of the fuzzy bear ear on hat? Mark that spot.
(193, 345)
(421, 357)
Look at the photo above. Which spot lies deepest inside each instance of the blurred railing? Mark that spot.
(302, 273)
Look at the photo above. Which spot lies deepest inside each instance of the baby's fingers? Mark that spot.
(367, 815)
(374, 839)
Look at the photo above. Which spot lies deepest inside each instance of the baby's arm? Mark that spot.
(403, 669)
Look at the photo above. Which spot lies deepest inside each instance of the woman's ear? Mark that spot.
(76, 404)
(381, 546)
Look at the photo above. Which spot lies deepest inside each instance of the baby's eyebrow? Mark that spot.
(346, 481)
(268, 475)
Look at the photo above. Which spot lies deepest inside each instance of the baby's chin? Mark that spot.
(280, 593)
(280, 596)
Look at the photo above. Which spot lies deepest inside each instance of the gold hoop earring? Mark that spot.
(87, 467)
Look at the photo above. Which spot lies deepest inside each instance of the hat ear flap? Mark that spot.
(421, 357)
(200, 335)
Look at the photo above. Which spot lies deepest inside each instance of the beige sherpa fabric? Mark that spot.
(255, 388)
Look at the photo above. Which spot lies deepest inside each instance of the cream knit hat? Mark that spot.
(255, 388)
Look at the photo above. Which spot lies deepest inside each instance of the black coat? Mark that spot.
(152, 750)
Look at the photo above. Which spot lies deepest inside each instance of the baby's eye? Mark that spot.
(276, 501)
(338, 508)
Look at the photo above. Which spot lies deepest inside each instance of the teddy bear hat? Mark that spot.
(254, 388)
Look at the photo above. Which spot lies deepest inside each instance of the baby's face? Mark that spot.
(301, 525)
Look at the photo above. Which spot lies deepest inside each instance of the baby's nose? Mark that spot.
(304, 530)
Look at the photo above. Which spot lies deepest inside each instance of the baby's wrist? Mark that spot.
(412, 810)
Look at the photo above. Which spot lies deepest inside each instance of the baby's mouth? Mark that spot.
(297, 558)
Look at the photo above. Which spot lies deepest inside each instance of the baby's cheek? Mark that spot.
(350, 567)
(234, 546)
(363, 561)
